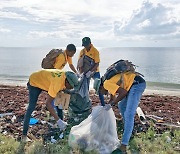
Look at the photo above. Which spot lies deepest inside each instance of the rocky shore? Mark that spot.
(14, 100)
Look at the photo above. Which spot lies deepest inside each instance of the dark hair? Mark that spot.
(71, 47)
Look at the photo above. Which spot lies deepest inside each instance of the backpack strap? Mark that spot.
(121, 80)
(63, 52)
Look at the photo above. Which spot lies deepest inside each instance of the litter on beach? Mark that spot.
(33, 121)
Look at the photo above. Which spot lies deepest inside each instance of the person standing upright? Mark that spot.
(90, 51)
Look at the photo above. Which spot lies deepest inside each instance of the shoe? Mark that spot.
(118, 151)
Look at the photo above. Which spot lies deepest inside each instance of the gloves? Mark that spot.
(61, 124)
(78, 75)
(107, 107)
(88, 74)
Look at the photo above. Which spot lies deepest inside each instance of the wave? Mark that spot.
(163, 86)
(7, 76)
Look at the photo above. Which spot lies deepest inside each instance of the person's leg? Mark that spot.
(59, 112)
(33, 96)
(101, 96)
(133, 99)
(122, 106)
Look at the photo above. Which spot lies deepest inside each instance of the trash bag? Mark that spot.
(79, 100)
(97, 132)
(78, 104)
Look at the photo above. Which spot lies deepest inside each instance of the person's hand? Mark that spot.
(62, 124)
(78, 75)
(88, 74)
(107, 107)
(112, 103)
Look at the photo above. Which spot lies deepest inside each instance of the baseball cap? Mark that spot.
(72, 78)
(86, 41)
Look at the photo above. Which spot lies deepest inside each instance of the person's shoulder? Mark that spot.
(61, 55)
(81, 51)
(94, 49)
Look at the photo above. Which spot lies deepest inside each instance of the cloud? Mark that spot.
(103, 20)
(4, 30)
(150, 20)
(53, 34)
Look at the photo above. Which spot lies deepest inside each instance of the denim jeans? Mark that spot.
(101, 96)
(33, 97)
(127, 108)
(58, 110)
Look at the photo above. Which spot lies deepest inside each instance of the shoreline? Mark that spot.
(164, 92)
(148, 91)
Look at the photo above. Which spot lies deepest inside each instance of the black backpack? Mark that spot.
(121, 66)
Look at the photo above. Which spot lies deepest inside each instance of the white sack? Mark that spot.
(97, 132)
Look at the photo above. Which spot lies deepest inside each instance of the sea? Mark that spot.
(159, 65)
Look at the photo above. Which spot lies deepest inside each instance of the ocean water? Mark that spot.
(160, 66)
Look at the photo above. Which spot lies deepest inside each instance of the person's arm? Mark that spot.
(121, 94)
(50, 107)
(112, 98)
(93, 69)
(72, 68)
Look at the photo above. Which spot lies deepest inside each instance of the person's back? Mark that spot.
(123, 80)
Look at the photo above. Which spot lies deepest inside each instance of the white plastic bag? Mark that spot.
(97, 132)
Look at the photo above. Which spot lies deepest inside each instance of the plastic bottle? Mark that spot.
(141, 115)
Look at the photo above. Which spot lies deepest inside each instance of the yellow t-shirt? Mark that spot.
(61, 61)
(112, 84)
(93, 53)
(50, 80)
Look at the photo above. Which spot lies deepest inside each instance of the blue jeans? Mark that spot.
(127, 108)
(33, 97)
(101, 96)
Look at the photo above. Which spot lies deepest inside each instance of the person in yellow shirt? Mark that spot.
(52, 81)
(126, 90)
(90, 51)
(66, 57)
(60, 62)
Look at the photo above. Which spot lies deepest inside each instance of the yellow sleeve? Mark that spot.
(111, 87)
(69, 60)
(60, 62)
(96, 58)
(81, 53)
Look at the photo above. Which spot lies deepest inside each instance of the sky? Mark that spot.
(109, 23)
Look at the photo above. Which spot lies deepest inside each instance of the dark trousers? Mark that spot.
(33, 97)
